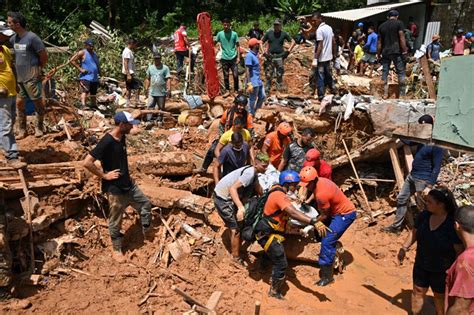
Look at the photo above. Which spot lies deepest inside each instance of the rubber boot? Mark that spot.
(21, 125)
(275, 289)
(39, 126)
(326, 275)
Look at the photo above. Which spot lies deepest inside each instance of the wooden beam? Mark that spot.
(396, 166)
(408, 157)
(427, 75)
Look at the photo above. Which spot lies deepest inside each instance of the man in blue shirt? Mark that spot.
(434, 48)
(370, 49)
(423, 176)
(254, 82)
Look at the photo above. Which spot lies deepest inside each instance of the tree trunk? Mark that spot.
(112, 13)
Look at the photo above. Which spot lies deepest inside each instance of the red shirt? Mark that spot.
(179, 43)
(329, 196)
(460, 278)
(324, 170)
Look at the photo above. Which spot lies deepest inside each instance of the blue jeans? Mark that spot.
(399, 68)
(7, 121)
(256, 99)
(324, 78)
(339, 224)
(411, 186)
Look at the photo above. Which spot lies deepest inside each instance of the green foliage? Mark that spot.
(293, 8)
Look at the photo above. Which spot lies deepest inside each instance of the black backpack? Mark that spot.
(254, 214)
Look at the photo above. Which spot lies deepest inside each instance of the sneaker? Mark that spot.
(391, 229)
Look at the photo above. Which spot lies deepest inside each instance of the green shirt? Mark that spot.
(228, 41)
(158, 77)
(276, 41)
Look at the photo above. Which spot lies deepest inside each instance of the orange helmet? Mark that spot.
(284, 128)
(307, 175)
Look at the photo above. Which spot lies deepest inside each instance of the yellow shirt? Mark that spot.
(7, 78)
(226, 136)
(359, 52)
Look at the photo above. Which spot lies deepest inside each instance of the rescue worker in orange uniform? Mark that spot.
(269, 230)
(276, 142)
(336, 214)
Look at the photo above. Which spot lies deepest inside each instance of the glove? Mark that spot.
(240, 214)
(322, 229)
(249, 88)
(426, 191)
(401, 255)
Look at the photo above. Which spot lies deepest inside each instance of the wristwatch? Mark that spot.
(313, 221)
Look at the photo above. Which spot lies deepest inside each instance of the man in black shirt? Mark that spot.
(275, 54)
(255, 32)
(121, 190)
(392, 47)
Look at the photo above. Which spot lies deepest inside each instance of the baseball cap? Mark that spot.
(277, 21)
(157, 55)
(6, 31)
(360, 24)
(460, 30)
(468, 35)
(253, 42)
(89, 42)
(393, 13)
(125, 117)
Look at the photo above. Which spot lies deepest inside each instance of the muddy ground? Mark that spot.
(84, 278)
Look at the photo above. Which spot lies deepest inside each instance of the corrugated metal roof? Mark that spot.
(431, 29)
(359, 14)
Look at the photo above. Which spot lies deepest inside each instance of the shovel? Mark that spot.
(27, 206)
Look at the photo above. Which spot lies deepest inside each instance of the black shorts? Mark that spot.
(89, 87)
(133, 84)
(427, 279)
(227, 211)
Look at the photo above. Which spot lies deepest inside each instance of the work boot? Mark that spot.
(39, 126)
(5, 293)
(21, 125)
(275, 288)
(326, 276)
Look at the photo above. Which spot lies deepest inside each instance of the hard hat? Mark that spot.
(253, 42)
(241, 99)
(307, 175)
(311, 156)
(284, 128)
(360, 24)
(288, 176)
(468, 35)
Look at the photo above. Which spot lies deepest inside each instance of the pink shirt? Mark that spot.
(460, 278)
(458, 45)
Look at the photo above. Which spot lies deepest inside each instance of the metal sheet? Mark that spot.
(455, 108)
(431, 29)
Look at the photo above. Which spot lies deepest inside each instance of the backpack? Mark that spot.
(254, 214)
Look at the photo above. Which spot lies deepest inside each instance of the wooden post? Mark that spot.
(257, 307)
(396, 166)
(26, 192)
(369, 211)
(427, 75)
(408, 157)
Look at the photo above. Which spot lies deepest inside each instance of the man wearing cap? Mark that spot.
(89, 69)
(229, 42)
(230, 195)
(294, 154)
(325, 53)
(30, 59)
(7, 98)
(458, 43)
(275, 55)
(276, 142)
(254, 82)
(434, 48)
(336, 214)
(157, 84)
(392, 47)
(423, 176)
(313, 159)
(117, 184)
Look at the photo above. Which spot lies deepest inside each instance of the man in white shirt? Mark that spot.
(128, 70)
(325, 52)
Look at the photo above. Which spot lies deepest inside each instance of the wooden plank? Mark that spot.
(214, 300)
(408, 157)
(427, 76)
(396, 166)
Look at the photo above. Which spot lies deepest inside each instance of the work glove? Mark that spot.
(401, 255)
(249, 88)
(322, 229)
